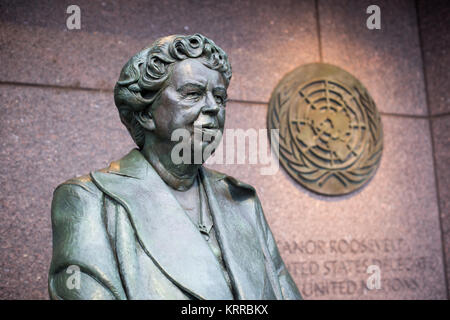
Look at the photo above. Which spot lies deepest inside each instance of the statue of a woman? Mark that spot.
(149, 227)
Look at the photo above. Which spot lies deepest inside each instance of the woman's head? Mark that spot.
(146, 75)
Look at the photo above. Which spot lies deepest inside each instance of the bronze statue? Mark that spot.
(149, 228)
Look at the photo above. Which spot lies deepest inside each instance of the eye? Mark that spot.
(193, 94)
(219, 99)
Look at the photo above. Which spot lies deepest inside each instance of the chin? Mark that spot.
(204, 145)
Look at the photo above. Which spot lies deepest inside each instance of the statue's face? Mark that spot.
(194, 100)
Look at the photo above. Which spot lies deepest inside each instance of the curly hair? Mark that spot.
(145, 75)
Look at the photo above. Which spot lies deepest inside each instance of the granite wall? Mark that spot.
(58, 120)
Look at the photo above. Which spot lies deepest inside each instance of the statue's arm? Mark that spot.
(288, 287)
(83, 264)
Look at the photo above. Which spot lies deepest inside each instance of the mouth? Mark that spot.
(208, 131)
(209, 126)
(206, 128)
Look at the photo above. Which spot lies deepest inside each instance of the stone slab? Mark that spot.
(264, 39)
(387, 61)
(434, 17)
(46, 137)
(441, 134)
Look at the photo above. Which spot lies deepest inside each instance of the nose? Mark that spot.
(210, 106)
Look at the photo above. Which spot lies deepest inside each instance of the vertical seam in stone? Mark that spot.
(430, 125)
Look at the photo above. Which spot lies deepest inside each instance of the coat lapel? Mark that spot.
(239, 241)
(162, 227)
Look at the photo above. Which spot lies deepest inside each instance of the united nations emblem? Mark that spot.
(330, 132)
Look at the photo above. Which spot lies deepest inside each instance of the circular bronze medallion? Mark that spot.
(330, 132)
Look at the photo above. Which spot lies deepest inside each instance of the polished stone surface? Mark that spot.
(387, 61)
(264, 39)
(434, 17)
(41, 130)
(441, 132)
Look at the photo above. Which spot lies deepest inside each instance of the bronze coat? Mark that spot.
(130, 238)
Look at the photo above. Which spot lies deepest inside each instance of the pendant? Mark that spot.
(203, 230)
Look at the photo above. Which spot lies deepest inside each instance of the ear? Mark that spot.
(145, 119)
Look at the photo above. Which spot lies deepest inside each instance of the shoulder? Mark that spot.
(238, 189)
(242, 195)
(74, 199)
(82, 186)
(79, 187)
(84, 183)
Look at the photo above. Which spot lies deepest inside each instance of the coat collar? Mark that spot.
(233, 209)
(170, 238)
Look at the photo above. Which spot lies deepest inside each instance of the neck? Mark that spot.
(178, 176)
